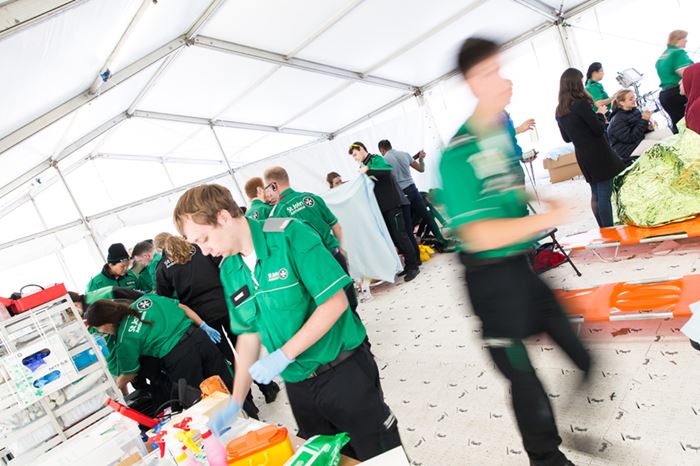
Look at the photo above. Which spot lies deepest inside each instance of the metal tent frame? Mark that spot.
(19, 15)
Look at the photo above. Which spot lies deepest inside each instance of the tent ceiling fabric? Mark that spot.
(321, 69)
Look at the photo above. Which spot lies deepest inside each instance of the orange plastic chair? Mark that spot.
(628, 234)
(632, 300)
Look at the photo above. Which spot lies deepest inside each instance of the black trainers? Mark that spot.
(270, 391)
(411, 274)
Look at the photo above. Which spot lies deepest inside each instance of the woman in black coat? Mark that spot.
(627, 125)
(579, 124)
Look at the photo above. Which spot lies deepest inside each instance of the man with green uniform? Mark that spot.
(313, 210)
(258, 206)
(485, 205)
(116, 271)
(285, 290)
(670, 67)
(145, 253)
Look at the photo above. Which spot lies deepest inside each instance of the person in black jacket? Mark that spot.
(627, 125)
(391, 201)
(193, 278)
(579, 124)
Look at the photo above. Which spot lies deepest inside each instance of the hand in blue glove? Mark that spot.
(211, 333)
(267, 368)
(224, 417)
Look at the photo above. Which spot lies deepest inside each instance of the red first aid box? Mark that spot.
(37, 299)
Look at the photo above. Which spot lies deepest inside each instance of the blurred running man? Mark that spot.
(486, 206)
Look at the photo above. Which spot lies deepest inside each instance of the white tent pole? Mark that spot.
(17, 16)
(167, 173)
(577, 10)
(59, 253)
(85, 97)
(41, 234)
(80, 212)
(225, 123)
(228, 164)
(298, 63)
(97, 83)
(157, 159)
(566, 46)
(430, 118)
(540, 8)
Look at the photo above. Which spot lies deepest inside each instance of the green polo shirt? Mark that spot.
(479, 183)
(672, 60)
(258, 210)
(294, 275)
(135, 338)
(312, 210)
(100, 293)
(597, 92)
(130, 280)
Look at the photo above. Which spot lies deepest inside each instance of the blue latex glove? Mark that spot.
(267, 368)
(224, 418)
(211, 333)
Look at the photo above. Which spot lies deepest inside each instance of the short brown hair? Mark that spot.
(356, 145)
(277, 174)
(203, 203)
(252, 185)
(675, 36)
(142, 247)
(330, 177)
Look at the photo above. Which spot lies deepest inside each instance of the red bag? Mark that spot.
(546, 258)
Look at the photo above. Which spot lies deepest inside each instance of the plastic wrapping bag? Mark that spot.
(320, 450)
(663, 186)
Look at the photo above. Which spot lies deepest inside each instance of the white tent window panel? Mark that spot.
(375, 30)
(128, 181)
(58, 59)
(44, 271)
(436, 55)
(131, 234)
(21, 222)
(268, 145)
(89, 187)
(162, 22)
(202, 82)
(141, 136)
(82, 261)
(281, 97)
(351, 103)
(30, 152)
(273, 25)
(183, 174)
(55, 205)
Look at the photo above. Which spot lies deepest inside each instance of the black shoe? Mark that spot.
(402, 273)
(411, 274)
(695, 344)
(270, 392)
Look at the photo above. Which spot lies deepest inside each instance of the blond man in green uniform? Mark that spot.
(285, 292)
(486, 207)
(162, 328)
(258, 205)
(115, 272)
(670, 67)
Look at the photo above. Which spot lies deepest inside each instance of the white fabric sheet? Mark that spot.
(371, 253)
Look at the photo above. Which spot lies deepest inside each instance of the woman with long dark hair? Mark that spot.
(579, 124)
(161, 328)
(194, 278)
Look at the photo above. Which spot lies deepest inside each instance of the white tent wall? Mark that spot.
(105, 181)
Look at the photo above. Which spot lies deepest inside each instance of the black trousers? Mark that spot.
(396, 224)
(350, 289)
(513, 303)
(196, 358)
(674, 103)
(410, 228)
(419, 211)
(347, 398)
(223, 326)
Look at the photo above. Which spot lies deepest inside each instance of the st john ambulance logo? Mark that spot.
(283, 274)
(256, 215)
(145, 304)
(309, 201)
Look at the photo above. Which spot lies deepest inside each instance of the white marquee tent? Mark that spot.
(111, 108)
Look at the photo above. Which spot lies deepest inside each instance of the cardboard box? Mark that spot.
(562, 169)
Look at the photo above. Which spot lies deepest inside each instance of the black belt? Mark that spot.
(470, 260)
(187, 333)
(342, 357)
